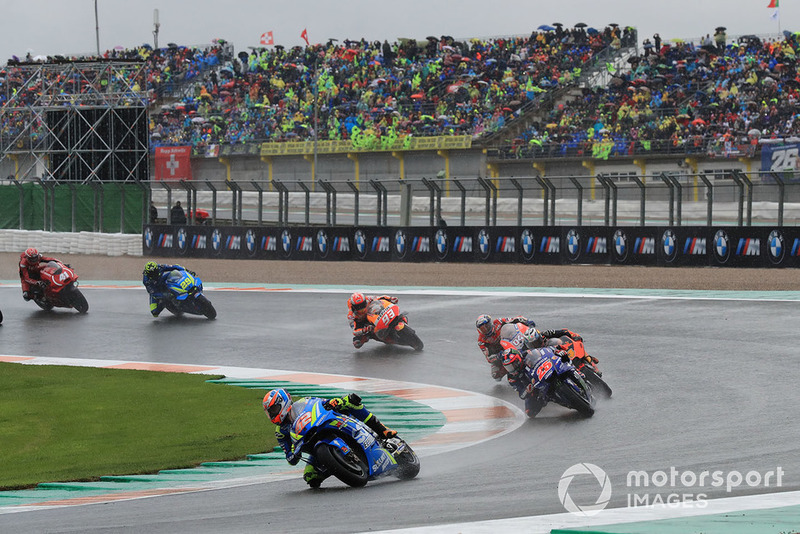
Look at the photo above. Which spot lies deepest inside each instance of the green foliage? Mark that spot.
(61, 423)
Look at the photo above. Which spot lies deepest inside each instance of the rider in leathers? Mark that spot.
(489, 340)
(357, 306)
(154, 283)
(30, 262)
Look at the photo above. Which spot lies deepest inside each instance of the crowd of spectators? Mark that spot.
(715, 96)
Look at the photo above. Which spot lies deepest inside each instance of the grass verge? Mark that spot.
(63, 423)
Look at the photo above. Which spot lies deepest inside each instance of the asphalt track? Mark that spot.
(699, 384)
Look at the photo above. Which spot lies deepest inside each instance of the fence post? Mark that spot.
(169, 201)
(283, 202)
(382, 200)
(260, 201)
(354, 188)
(463, 200)
(307, 193)
(709, 199)
(191, 201)
(607, 185)
(740, 186)
(546, 191)
(781, 195)
(641, 199)
(330, 202)
(236, 211)
(213, 203)
(491, 191)
(435, 209)
(579, 187)
(746, 181)
(663, 176)
(21, 203)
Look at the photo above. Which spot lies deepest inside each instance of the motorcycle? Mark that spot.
(558, 380)
(514, 333)
(346, 448)
(184, 294)
(58, 287)
(583, 363)
(390, 326)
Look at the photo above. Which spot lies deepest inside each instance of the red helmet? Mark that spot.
(512, 360)
(277, 404)
(358, 303)
(32, 255)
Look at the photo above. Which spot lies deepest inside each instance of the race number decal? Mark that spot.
(543, 369)
(784, 158)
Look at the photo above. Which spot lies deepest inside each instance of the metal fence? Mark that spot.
(675, 199)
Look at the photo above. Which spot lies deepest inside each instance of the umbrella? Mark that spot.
(699, 122)
(592, 31)
(546, 28)
(580, 25)
(754, 132)
(613, 24)
(558, 24)
(720, 28)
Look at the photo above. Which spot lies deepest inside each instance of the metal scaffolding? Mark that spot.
(75, 121)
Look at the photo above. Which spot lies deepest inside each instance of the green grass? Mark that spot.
(62, 423)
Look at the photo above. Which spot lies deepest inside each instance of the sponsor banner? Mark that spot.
(634, 245)
(678, 246)
(173, 163)
(586, 244)
(540, 244)
(299, 148)
(778, 158)
(414, 244)
(372, 243)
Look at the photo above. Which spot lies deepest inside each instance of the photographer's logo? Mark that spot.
(582, 470)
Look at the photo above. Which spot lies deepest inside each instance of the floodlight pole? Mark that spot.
(97, 28)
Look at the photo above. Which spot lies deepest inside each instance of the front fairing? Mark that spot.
(314, 423)
(181, 284)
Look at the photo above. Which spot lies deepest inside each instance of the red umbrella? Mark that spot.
(417, 96)
(699, 122)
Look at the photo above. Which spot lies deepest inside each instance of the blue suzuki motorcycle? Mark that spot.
(559, 381)
(184, 294)
(346, 448)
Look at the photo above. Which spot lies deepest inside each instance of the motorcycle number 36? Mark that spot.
(543, 369)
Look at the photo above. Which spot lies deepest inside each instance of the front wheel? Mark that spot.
(76, 299)
(407, 336)
(595, 381)
(348, 468)
(407, 460)
(576, 396)
(205, 306)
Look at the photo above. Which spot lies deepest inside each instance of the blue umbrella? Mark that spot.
(545, 28)
(592, 31)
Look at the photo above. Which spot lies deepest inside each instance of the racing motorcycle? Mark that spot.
(557, 380)
(184, 294)
(518, 335)
(390, 326)
(346, 448)
(58, 287)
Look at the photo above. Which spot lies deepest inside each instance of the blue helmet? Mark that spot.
(484, 324)
(277, 404)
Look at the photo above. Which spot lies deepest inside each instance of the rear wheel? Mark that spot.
(205, 306)
(349, 468)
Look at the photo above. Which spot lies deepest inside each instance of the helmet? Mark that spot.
(485, 324)
(358, 303)
(32, 255)
(533, 338)
(277, 404)
(150, 269)
(512, 360)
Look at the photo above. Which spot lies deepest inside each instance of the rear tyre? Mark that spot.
(569, 391)
(205, 307)
(349, 468)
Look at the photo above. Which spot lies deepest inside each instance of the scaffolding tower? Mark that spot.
(75, 121)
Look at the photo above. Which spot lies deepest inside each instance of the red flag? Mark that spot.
(304, 35)
(267, 38)
(773, 3)
(173, 163)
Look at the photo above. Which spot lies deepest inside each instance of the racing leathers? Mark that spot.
(491, 347)
(156, 287)
(29, 276)
(534, 399)
(359, 323)
(349, 405)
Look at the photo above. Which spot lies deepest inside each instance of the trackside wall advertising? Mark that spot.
(667, 246)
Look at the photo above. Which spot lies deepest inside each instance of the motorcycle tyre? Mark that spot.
(407, 464)
(205, 307)
(407, 336)
(594, 380)
(76, 299)
(350, 469)
(579, 403)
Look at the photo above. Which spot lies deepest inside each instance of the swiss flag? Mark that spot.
(304, 35)
(267, 38)
(173, 163)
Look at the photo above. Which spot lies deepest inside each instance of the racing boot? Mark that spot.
(379, 428)
(313, 477)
